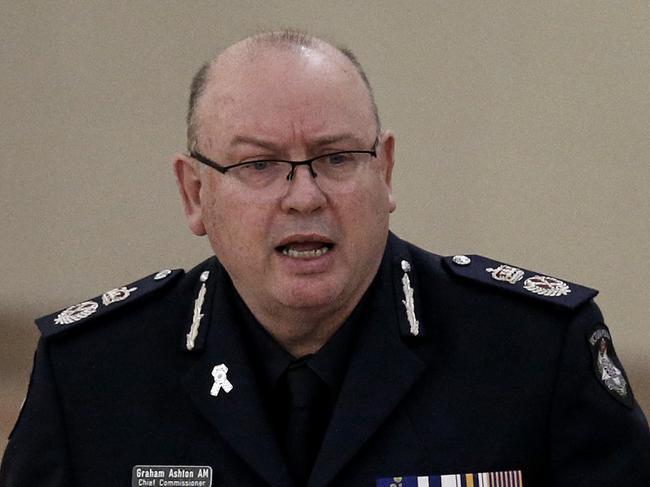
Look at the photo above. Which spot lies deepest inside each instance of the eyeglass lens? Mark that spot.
(332, 172)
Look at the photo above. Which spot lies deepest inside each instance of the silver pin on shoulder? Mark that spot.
(162, 274)
(461, 260)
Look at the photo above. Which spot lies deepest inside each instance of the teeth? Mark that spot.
(305, 254)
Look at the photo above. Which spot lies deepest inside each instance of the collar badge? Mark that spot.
(408, 300)
(198, 313)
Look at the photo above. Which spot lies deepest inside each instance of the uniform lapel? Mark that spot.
(239, 415)
(382, 370)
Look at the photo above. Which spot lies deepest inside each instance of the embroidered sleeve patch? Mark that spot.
(607, 367)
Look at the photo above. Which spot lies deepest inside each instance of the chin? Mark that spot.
(309, 296)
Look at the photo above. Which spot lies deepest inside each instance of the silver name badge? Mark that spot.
(171, 475)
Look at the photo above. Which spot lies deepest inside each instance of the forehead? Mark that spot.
(284, 92)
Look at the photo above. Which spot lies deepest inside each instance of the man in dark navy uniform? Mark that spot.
(315, 348)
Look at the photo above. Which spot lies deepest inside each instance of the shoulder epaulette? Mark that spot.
(80, 313)
(519, 281)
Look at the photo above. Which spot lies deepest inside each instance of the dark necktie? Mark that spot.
(305, 424)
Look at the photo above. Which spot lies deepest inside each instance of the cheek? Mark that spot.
(368, 203)
(364, 213)
(236, 228)
(211, 212)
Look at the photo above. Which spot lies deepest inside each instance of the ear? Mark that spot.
(189, 185)
(388, 156)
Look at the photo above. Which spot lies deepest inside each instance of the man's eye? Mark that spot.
(260, 165)
(338, 159)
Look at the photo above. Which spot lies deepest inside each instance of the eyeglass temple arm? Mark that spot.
(208, 162)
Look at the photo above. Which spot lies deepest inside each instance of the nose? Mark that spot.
(294, 165)
(303, 194)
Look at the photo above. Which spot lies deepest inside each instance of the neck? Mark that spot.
(303, 332)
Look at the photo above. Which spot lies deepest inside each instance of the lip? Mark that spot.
(309, 266)
(304, 237)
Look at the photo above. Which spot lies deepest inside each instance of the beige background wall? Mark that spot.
(522, 130)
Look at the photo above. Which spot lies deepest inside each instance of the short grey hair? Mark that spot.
(287, 38)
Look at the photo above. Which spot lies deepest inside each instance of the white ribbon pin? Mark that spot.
(220, 374)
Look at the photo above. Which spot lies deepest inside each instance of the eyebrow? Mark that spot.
(245, 140)
(327, 140)
(316, 143)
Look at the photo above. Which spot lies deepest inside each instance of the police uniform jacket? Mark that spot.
(455, 378)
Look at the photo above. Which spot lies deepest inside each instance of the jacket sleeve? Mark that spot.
(37, 450)
(599, 435)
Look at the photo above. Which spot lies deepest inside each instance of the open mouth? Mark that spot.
(305, 250)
